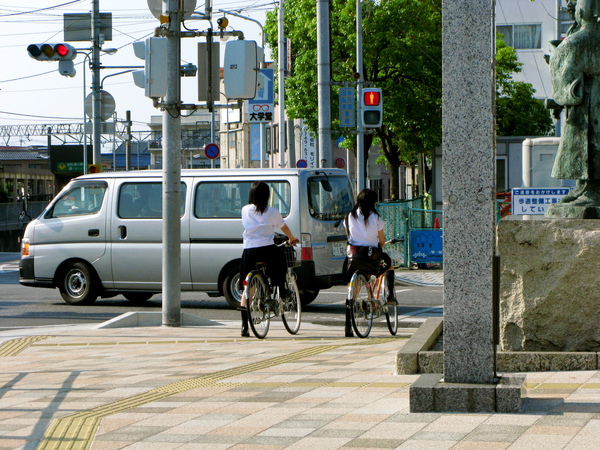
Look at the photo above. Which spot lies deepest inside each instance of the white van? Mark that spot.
(102, 234)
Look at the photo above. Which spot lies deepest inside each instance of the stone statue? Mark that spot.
(575, 72)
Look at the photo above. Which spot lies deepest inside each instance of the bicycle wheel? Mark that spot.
(391, 314)
(291, 314)
(258, 309)
(361, 308)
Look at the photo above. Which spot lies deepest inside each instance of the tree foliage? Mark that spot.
(518, 112)
(402, 55)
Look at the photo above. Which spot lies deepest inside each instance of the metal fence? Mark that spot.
(10, 214)
(399, 218)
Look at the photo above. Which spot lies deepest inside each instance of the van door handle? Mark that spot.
(122, 231)
(94, 232)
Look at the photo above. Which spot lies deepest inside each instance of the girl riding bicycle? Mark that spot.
(364, 229)
(260, 222)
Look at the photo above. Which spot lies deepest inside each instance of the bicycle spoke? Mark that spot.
(258, 309)
(291, 314)
(361, 307)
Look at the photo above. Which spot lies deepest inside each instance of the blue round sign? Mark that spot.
(301, 164)
(211, 151)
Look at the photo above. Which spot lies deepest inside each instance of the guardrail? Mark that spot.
(10, 215)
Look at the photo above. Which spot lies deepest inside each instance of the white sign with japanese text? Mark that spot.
(261, 107)
(535, 201)
(309, 148)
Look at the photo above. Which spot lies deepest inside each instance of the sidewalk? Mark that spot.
(207, 388)
(420, 277)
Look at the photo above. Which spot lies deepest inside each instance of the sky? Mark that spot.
(33, 92)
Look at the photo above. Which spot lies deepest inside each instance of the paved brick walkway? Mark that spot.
(207, 388)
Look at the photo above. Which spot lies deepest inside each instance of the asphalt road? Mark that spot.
(24, 307)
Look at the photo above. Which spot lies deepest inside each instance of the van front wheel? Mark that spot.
(232, 294)
(78, 284)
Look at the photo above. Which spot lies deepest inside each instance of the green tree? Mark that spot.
(402, 55)
(518, 112)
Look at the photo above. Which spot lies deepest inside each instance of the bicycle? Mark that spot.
(366, 303)
(262, 306)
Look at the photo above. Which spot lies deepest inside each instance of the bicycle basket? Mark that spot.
(290, 256)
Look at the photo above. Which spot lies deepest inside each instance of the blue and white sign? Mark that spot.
(426, 246)
(261, 107)
(347, 113)
(535, 201)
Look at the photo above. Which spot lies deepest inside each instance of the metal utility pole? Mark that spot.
(128, 140)
(96, 99)
(281, 64)
(360, 131)
(171, 233)
(323, 83)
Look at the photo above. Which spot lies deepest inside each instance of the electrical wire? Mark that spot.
(41, 9)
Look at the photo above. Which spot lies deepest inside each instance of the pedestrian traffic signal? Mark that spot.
(63, 53)
(154, 76)
(372, 108)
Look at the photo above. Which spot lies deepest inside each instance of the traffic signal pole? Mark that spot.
(323, 83)
(96, 99)
(171, 233)
(360, 131)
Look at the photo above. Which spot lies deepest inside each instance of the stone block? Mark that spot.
(549, 289)
(421, 393)
(546, 361)
(423, 339)
(431, 362)
(510, 392)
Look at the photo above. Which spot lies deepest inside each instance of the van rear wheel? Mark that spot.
(78, 284)
(138, 297)
(232, 294)
(307, 297)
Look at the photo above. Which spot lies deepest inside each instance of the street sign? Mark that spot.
(309, 147)
(301, 164)
(347, 112)
(211, 151)
(426, 246)
(261, 107)
(535, 201)
(340, 163)
(107, 107)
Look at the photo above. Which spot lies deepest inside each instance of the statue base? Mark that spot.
(571, 211)
(549, 285)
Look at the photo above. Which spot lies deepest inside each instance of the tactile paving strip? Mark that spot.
(16, 346)
(77, 430)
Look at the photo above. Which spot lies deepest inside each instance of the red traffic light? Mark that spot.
(61, 49)
(371, 98)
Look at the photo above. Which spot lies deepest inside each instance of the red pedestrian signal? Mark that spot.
(372, 108)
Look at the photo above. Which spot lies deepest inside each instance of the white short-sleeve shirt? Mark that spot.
(259, 229)
(361, 234)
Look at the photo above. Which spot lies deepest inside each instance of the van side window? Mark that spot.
(329, 198)
(225, 199)
(80, 199)
(143, 200)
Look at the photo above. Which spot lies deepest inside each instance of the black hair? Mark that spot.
(259, 196)
(365, 200)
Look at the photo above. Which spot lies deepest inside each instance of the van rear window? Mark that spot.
(329, 197)
(225, 199)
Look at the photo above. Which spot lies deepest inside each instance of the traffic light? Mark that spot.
(63, 53)
(372, 108)
(154, 76)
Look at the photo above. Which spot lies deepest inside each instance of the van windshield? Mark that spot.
(80, 199)
(329, 197)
